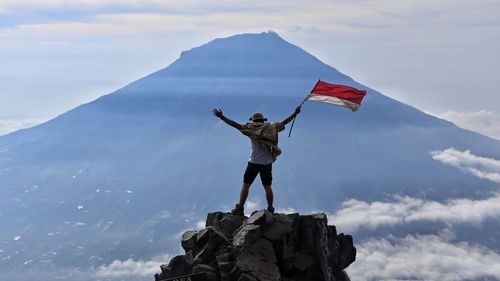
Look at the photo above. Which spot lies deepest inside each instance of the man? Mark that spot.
(265, 150)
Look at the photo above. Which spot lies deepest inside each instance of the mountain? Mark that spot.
(111, 178)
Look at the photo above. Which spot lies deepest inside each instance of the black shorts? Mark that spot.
(265, 171)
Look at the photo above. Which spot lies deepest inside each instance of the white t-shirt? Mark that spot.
(261, 153)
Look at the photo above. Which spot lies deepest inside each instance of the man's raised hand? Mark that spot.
(217, 112)
(297, 110)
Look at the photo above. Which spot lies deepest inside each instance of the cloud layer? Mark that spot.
(130, 267)
(425, 257)
(11, 125)
(486, 122)
(481, 167)
(414, 257)
(355, 214)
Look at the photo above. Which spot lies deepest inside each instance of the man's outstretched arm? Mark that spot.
(290, 118)
(218, 113)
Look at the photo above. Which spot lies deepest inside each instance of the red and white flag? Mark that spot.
(337, 94)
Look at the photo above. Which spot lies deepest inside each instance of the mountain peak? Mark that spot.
(238, 40)
(265, 35)
(263, 54)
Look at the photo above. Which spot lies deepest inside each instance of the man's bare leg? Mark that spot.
(269, 197)
(238, 210)
(244, 194)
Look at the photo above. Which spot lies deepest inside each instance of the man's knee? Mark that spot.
(267, 187)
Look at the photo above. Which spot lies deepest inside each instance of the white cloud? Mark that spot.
(12, 125)
(130, 267)
(151, 17)
(199, 225)
(288, 210)
(486, 122)
(426, 257)
(355, 214)
(481, 167)
(253, 205)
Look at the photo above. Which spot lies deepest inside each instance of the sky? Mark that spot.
(442, 57)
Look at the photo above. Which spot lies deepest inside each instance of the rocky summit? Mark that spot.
(262, 247)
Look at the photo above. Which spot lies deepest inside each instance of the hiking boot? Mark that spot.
(271, 209)
(238, 210)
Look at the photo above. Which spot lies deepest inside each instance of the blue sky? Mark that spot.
(441, 56)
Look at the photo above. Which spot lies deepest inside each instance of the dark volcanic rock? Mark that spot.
(210, 272)
(260, 217)
(282, 225)
(264, 247)
(188, 240)
(246, 277)
(208, 241)
(178, 266)
(260, 269)
(246, 235)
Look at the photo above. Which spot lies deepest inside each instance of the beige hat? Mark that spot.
(257, 116)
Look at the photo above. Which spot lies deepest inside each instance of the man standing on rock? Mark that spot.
(264, 138)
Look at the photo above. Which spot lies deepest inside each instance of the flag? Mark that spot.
(337, 94)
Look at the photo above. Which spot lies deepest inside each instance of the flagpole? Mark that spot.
(308, 95)
(293, 121)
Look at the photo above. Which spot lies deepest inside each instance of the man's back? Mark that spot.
(261, 153)
(265, 134)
